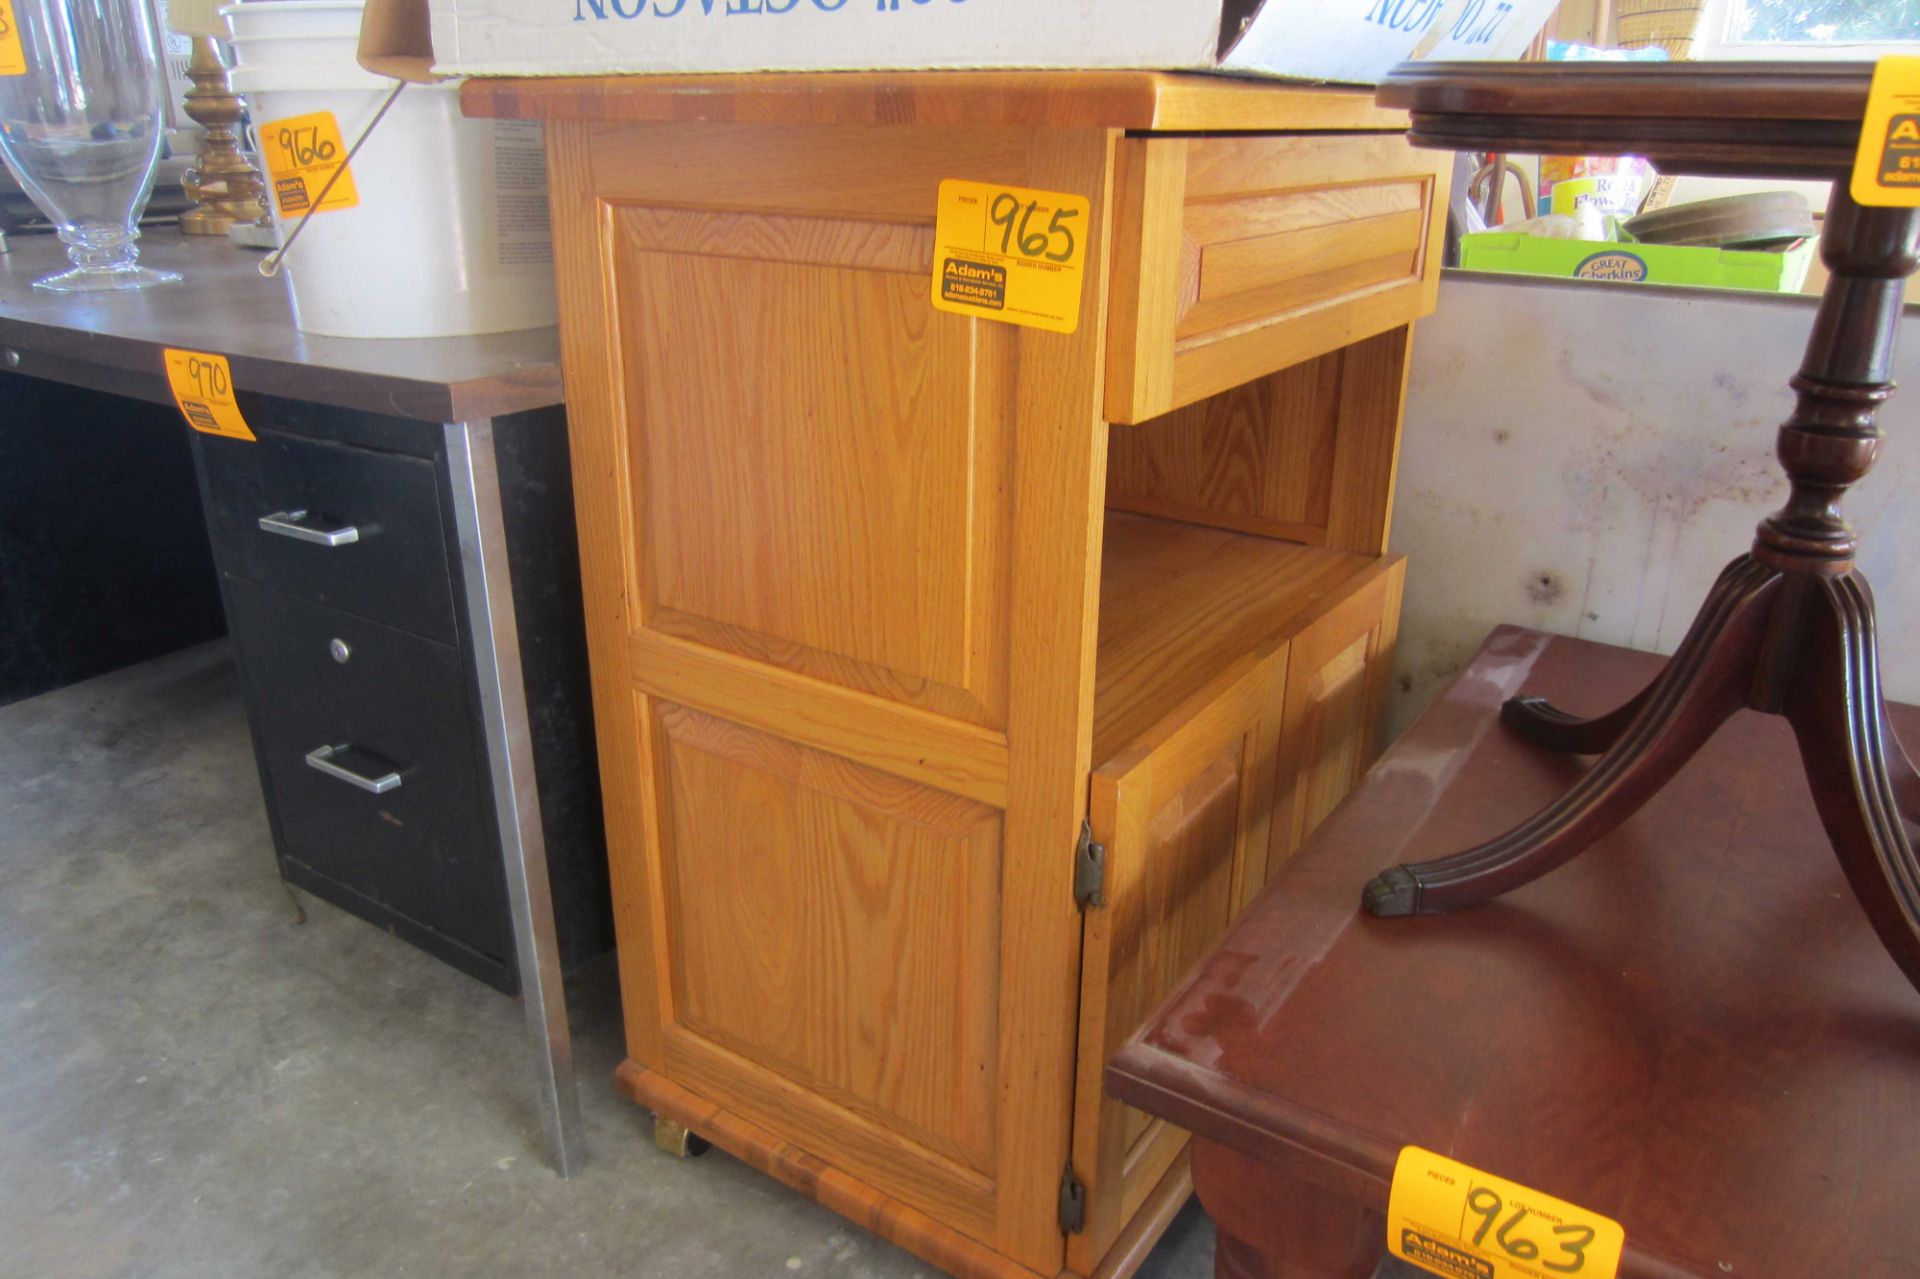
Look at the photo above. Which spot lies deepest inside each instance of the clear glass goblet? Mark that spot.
(81, 131)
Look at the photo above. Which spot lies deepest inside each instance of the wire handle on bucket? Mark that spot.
(270, 265)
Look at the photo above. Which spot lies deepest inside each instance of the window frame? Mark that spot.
(1712, 43)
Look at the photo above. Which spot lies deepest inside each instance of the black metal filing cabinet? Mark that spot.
(339, 554)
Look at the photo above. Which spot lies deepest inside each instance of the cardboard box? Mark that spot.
(1350, 41)
(1517, 253)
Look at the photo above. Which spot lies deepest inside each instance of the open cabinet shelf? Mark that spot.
(1180, 603)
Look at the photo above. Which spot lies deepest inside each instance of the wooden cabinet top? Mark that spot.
(1135, 100)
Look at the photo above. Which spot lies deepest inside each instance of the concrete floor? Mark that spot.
(193, 1084)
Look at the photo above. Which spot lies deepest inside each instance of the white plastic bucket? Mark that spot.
(294, 18)
(449, 236)
(296, 51)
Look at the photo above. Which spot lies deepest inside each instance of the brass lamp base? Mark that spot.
(223, 184)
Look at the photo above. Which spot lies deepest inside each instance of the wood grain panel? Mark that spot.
(798, 170)
(915, 744)
(1256, 253)
(859, 1201)
(1336, 684)
(1180, 812)
(1258, 458)
(1178, 603)
(594, 365)
(1059, 482)
(833, 516)
(801, 509)
(1224, 221)
(1249, 281)
(855, 947)
(1307, 454)
(1373, 396)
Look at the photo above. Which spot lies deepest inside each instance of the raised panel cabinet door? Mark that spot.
(839, 552)
(1182, 813)
(1336, 693)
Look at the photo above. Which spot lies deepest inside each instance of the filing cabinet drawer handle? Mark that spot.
(293, 524)
(320, 758)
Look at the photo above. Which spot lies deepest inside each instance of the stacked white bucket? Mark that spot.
(449, 236)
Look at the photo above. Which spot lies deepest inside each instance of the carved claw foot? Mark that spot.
(1392, 893)
(1550, 728)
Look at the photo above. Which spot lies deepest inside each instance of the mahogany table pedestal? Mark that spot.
(1789, 628)
(1691, 1030)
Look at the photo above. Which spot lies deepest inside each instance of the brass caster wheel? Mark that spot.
(676, 1139)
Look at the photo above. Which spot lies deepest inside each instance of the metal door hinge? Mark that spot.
(1089, 869)
(1073, 1202)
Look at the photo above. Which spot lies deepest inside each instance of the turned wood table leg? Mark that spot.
(1707, 681)
(1550, 728)
(1840, 719)
(1788, 629)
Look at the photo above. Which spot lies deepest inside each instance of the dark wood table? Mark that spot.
(1789, 627)
(1691, 1029)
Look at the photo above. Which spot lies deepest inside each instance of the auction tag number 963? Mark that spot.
(1457, 1221)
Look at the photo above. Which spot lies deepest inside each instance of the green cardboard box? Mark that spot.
(1517, 253)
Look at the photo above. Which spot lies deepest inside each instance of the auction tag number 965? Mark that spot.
(1010, 254)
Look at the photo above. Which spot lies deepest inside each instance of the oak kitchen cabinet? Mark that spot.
(956, 682)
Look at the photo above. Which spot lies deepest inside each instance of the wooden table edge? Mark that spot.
(1144, 1076)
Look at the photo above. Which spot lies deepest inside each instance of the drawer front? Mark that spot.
(394, 713)
(380, 511)
(1235, 257)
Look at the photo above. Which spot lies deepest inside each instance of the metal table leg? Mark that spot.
(516, 796)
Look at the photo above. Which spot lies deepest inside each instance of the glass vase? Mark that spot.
(81, 131)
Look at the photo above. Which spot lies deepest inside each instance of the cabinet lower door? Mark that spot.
(1337, 673)
(1183, 815)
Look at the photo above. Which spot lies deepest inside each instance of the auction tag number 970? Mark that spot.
(1457, 1221)
(1010, 254)
(202, 385)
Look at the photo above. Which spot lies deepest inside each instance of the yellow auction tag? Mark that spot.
(1886, 171)
(202, 386)
(302, 153)
(13, 54)
(1010, 254)
(1458, 1221)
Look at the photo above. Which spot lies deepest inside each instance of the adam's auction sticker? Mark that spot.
(1457, 1221)
(1010, 254)
(1886, 170)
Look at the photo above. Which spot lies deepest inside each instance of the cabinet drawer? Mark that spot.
(395, 715)
(381, 510)
(1235, 257)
